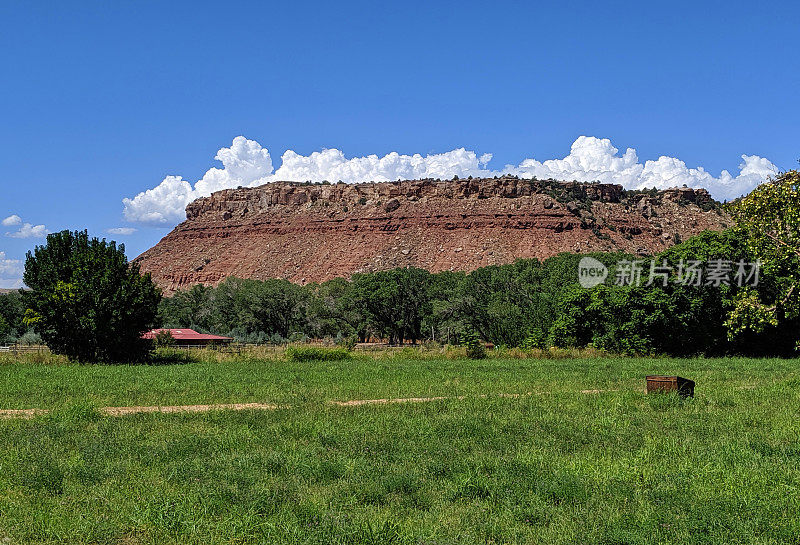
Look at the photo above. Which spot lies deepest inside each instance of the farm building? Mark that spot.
(188, 337)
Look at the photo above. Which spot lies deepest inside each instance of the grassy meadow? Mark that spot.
(581, 456)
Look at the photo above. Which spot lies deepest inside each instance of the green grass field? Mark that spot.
(555, 466)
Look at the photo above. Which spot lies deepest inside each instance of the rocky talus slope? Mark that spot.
(311, 233)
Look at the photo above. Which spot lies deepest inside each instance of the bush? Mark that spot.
(536, 339)
(308, 353)
(30, 338)
(348, 343)
(475, 348)
(163, 339)
(169, 355)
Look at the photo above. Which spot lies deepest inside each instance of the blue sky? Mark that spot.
(101, 100)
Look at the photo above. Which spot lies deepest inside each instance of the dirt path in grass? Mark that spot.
(122, 411)
(21, 413)
(359, 402)
(171, 409)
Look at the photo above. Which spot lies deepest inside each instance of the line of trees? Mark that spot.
(528, 303)
(87, 301)
(533, 304)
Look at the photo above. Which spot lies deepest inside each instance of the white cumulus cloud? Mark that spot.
(25, 230)
(593, 159)
(10, 272)
(590, 159)
(332, 165)
(121, 231)
(28, 230)
(12, 220)
(242, 163)
(9, 267)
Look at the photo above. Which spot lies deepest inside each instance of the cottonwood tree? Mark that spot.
(86, 301)
(11, 313)
(395, 302)
(770, 217)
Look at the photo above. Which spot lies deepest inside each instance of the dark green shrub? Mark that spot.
(475, 348)
(166, 355)
(537, 338)
(163, 339)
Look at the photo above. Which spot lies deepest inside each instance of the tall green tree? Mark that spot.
(676, 318)
(11, 315)
(85, 299)
(395, 302)
(770, 217)
(328, 312)
(444, 323)
(277, 306)
(188, 308)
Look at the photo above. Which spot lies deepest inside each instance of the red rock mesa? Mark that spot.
(315, 232)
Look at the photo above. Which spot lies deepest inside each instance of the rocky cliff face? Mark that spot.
(311, 233)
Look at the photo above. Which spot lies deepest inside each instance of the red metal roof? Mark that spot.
(185, 334)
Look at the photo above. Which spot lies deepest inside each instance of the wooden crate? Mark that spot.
(660, 383)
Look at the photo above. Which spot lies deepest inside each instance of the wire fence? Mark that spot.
(25, 349)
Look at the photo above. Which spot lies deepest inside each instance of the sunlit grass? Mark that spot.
(553, 466)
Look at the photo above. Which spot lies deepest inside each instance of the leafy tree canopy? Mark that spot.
(85, 299)
(770, 218)
(11, 313)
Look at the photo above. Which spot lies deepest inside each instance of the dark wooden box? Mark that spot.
(659, 383)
